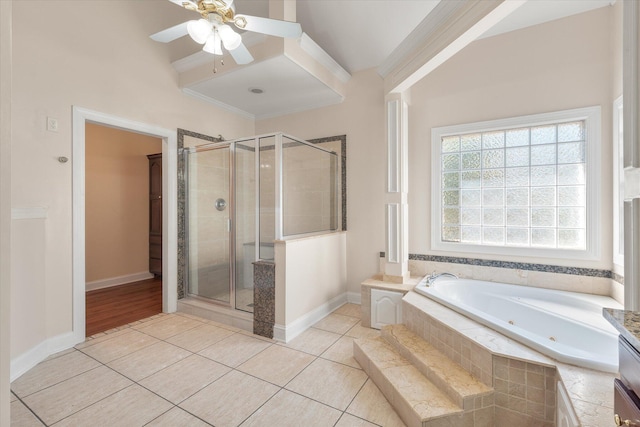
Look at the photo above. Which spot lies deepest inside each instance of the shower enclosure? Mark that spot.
(240, 197)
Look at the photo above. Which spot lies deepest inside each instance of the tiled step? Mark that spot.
(417, 400)
(457, 383)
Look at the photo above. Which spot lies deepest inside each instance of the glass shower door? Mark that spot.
(209, 218)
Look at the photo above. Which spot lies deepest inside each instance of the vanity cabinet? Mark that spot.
(155, 214)
(627, 388)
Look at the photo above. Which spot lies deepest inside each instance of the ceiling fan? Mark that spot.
(212, 31)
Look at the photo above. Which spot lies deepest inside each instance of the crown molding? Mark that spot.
(316, 52)
(450, 27)
(218, 104)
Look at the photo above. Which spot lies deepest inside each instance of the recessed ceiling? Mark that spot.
(357, 34)
(286, 87)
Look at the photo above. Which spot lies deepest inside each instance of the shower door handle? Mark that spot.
(229, 225)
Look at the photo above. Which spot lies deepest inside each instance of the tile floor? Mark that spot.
(180, 370)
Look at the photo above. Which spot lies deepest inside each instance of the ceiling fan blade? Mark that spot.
(182, 2)
(241, 55)
(272, 27)
(171, 34)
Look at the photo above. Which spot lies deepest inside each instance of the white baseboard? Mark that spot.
(37, 354)
(354, 297)
(119, 280)
(286, 333)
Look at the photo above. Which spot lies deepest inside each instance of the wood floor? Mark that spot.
(118, 305)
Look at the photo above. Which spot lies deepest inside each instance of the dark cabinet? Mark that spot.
(155, 214)
(626, 402)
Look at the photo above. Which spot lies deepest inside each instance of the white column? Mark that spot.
(396, 267)
(631, 118)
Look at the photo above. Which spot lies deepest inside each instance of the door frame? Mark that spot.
(231, 206)
(82, 116)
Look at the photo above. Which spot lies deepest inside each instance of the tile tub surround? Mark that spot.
(264, 298)
(237, 379)
(523, 379)
(573, 279)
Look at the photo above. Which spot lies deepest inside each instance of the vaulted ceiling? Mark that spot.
(356, 35)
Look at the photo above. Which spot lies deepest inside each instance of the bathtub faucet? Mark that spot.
(435, 275)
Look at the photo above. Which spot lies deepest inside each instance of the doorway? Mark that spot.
(123, 229)
(81, 117)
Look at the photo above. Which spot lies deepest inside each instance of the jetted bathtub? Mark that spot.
(566, 326)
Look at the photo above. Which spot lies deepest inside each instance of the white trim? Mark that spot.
(169, 209)
(118, 280)
(592, 117)
(286, 333)
(248, 115)
(300, 109)
(218, 104)
(316, 52)
(448, 29)
(30, 358)
(393, 232)
(394, 158)
(37, 212)
(618, 184)
(354, 298)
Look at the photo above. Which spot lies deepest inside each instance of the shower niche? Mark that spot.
(237, 198)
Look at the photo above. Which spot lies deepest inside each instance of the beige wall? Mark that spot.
(308, 190)
(106, 64)
(361, 117)
(563, 64)
(559, 65)
(117, 201)
(5, 209)
(27, 329)
(310, 272)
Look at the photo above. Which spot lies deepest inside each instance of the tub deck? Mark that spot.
(590, 391)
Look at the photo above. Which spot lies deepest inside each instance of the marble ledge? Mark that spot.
(626, 322)
(376, 282)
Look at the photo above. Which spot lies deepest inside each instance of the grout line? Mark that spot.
(231, 369)
(60, 382)
(29, 409)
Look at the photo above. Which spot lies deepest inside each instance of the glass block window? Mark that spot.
(514, 187)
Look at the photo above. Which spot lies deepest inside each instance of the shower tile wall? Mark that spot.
(267, 192)
(245, 220)
(309, 186)
(185, 139)
(210, 250)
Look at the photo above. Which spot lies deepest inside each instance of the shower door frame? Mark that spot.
(279, 235)
(231, 222)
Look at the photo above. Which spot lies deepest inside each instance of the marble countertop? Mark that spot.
(626, 322)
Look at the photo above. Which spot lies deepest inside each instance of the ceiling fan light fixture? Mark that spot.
(212, 45)
(230, 39)
(199, 30)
